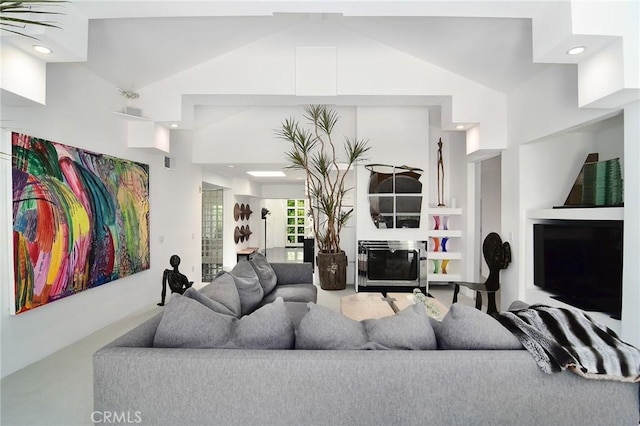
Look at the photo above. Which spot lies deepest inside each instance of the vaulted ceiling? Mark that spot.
(135, 52)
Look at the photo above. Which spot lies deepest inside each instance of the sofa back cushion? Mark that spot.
(214, 305)
(265, 272)
(465, 328)
(323, 328)
(223, 290)
(186, 323)
(248, 285)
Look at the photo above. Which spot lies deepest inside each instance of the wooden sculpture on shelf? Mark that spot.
(440, 170)
(178, 282)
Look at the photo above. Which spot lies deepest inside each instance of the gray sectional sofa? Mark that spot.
(195, 382)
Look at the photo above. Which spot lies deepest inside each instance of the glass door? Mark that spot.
(296, 216)
(212, 208)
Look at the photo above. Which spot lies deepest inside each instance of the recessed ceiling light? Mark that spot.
(576, 50)
(42, 49)
(231, 166)
(173, 125)
(460, 126)
(258, 173)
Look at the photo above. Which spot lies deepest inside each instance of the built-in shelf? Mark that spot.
(441, 217)
(443, 278)
(596, 213)
(441, 233)
(444, 211)
(451, 255)
(535, 295)
(130, 116)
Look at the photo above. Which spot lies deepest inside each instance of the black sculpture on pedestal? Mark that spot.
(178, 282)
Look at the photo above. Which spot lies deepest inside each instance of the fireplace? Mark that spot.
(388, 263)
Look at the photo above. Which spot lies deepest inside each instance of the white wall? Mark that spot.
(78, 114)
(490, 189)
(276, 223)
(397, 136)
(365, 67)
(226, 141)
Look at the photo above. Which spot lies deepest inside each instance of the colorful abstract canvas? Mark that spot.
(80, 220)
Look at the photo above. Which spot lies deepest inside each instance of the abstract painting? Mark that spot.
(80, 220)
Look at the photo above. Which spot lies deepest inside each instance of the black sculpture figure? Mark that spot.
(498, 256)
(178, 282)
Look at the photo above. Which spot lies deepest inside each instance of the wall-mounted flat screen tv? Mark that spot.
(580, 263)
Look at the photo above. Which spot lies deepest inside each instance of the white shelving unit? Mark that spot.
(130, 116)
(599, 213)
(435, 259)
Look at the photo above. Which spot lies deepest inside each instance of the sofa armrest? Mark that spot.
(293, 273)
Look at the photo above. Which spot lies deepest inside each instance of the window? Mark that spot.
(212, 208)
(296, 214)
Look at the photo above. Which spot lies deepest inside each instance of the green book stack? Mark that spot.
(602, 184)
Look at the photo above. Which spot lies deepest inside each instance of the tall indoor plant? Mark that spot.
(313, 151)
(16, 15)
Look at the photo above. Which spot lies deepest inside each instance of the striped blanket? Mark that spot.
(560, 339)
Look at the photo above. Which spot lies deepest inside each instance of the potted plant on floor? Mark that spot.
(313, 151)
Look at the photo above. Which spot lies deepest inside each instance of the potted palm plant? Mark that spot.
(16, 15)
(313, 150)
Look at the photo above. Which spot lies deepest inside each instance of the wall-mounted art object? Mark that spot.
(80, 220)
(246, 232)
(395, 196)
(247, 211)
(241, 212)
(237, 235)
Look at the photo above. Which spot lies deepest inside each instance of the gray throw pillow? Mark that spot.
(223, 290)
(408, 329)
(465, 327)
(248, 285)
(265, 272)
(194, 294)
(186, 323)
(323, 328)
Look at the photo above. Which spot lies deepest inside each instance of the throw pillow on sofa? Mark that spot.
(265, 272)
(214, 305)
(223, 290)
(465, 327)
(323, 328)
(186, 323)
(248, 285)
